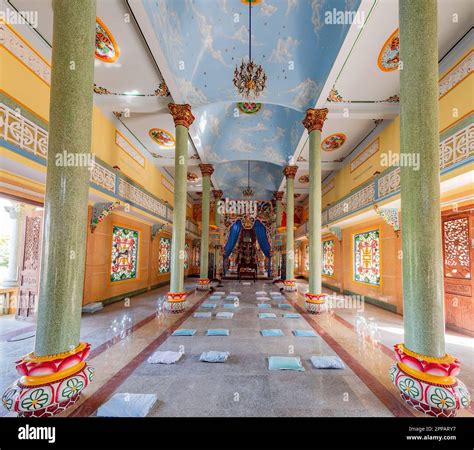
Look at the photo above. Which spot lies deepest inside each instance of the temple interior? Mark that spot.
(237, 208)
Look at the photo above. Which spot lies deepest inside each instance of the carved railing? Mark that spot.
(21, 133)
(455, 149)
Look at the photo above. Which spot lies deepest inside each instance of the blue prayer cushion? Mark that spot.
(305, 333)
(214, 356)
(217, 332)
(202, 314)
(184, 332)
(271, 332)
(285, 363)
(292, 316)
(224, 315)
(284, 306)
(327, 362)
(209, 305)
(229, 305)
(264, 305)
(267, 316)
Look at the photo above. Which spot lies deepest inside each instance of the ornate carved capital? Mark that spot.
(278, 195)
(206, 169)
(182, 114)
(290, 171)
(314, 119)
(217, 194)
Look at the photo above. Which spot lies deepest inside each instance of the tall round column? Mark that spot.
(278, 196)
(290, 282)
(183, 118)
(217, 218)
(17, 215)
(313, 122)
(424, 373)
(207, 170)
(41, 391)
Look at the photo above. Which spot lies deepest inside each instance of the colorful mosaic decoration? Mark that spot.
(389, 56)
(106, 49)
(49, 384)
(249, 107)
(328, 258)
(429, 384)
(304, 179)
(124, 254)
(367, 257)
(165, 255)
(186, 256)
(333, 142)
(162, 137)
(306, 258)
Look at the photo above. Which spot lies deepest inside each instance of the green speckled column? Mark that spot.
(420, 189)
(67, 187)
(278, 207)
(313, 122)
(207, 171)
(315, 212)
(278, 195)
(179, 210)
(290, 172)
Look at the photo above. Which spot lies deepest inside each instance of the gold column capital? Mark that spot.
(206, 169)
(314, 119)
(290, 171)
(182, 114)
(217, 194)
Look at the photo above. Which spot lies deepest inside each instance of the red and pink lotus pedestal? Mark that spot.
(204, 284)
(49, 384)
(175, 302)
(315, 303)
(429, 384)
(289, 285)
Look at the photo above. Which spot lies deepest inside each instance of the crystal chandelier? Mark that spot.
(250, 78)
(248, 191)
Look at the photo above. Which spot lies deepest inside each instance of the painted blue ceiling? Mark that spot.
(203, 40)
(264, 178)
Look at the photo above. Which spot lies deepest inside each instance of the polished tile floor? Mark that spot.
(243, 386)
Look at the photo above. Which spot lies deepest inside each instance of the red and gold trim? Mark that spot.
(289, 285)
(204, 284)
(176, 302)
(49, 384)
(428, 383)
(314, 303)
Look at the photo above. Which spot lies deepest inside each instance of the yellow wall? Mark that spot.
(453, 106)
(29, 90)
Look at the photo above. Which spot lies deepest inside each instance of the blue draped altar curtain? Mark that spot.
(234, 233)
(262, 238)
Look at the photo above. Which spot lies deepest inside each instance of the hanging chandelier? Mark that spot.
(248, 191)
(250, 78)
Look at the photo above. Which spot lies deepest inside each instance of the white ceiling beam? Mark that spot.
(362, 111)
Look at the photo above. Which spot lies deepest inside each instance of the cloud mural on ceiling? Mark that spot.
(202, 43)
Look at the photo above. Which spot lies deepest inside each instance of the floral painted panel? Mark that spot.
(124, 254)
(457, 259)
(165, 255)
(328, 258)
(367, 257)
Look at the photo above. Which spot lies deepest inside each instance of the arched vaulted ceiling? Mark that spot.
(201, 46)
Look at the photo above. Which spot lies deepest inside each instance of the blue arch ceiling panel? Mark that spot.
(203, 41)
